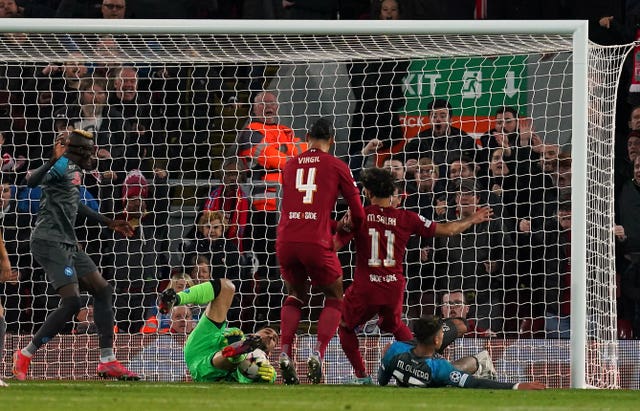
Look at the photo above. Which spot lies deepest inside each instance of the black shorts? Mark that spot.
(63, 263)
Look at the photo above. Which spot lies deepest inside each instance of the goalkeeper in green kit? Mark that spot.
(213, 351)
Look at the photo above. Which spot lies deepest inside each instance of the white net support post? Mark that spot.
(176, 122)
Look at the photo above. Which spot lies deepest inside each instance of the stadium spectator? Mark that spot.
(9, 8)
(419, 267)
(386, 9)
(628, 208)
(54, 246)
(377, 89)
(481, 258)
(629, 299)
(422, 200)
(169, 9)
(163, 358)
(624, 181)
(201, 270)
(158, 323)
(57, 85)
(89, 9)
(146, 137)
(457, 169)
(93, 114)
(210, 240)
(358, 161)
(455, 324)
(7, 274)
(310, 10)
(15, 227)
(624, 167)
(515, 136)
(502, 181)
(558, 282)
(214, 350)
(113, 9)
(138, 262)
(455, 309)
(9, 162)
(564, 172)
(264, 147)
(312, 183)
(417, 364)
(396, 168)
(225, 261)
(441, 141)
(230, 198)
(379, 284)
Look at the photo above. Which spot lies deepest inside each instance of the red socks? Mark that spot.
(289, 320)
(328, 323)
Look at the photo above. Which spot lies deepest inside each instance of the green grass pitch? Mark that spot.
(146, 396)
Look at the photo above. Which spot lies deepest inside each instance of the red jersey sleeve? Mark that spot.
(351, 194)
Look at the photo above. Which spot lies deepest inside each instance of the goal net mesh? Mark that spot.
(167, 112)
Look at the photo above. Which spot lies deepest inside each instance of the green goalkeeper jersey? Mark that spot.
(202, 344)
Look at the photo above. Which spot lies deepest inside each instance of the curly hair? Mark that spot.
(378, 181)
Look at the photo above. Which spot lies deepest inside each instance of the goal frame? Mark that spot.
(578, 29)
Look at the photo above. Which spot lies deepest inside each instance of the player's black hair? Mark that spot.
(426, 327)
(322, 129)
(379, 181)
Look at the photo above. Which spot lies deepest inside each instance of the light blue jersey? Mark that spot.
(409, 370)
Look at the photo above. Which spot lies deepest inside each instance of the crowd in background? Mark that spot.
(146, 120)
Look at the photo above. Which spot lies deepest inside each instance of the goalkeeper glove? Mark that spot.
(249, 343)
(232, 336)
(266, 371)
(168, 299)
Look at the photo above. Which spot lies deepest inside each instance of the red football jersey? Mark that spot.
(311, 184)
(381, 244)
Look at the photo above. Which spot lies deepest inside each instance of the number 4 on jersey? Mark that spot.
(307, 187)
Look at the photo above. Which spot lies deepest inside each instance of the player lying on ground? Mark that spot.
(213, 351)
(418, 364)
(379, 284)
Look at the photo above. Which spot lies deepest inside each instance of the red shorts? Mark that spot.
(299, 261)
(357, 310)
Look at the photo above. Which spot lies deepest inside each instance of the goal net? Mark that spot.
(489, 116)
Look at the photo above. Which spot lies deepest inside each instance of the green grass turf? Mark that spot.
(144, 396)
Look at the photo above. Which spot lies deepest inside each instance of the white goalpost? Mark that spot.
(169, 125)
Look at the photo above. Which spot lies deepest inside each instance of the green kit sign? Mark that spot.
(475, 86)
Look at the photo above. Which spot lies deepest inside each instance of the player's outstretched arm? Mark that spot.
(120, 226)
(481, 215)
